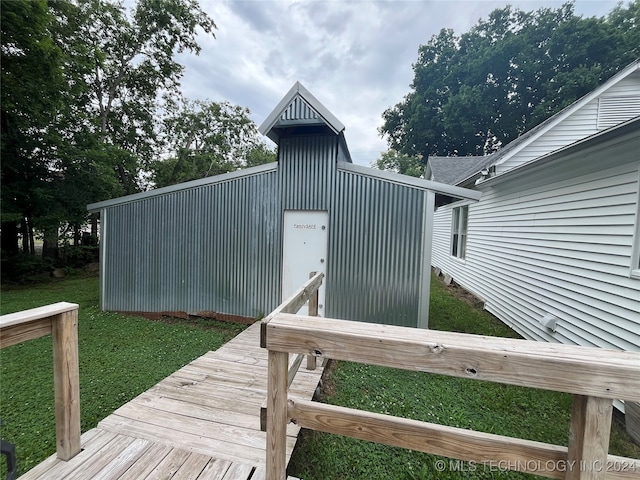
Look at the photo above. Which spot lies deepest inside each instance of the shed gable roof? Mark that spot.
(298, 108)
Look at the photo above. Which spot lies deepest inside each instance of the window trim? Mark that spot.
(634, 267)
(457, 239)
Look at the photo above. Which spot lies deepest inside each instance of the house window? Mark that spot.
(459, 222)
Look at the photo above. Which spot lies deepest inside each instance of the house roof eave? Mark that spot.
(551, 122)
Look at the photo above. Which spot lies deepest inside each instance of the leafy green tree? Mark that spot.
(400, 163)
(132, 62)
(208, 138)
(259, 154)
(475, 92)
(31, 99)
(81, 89)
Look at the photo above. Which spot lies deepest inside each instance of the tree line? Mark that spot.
(91, 106)
(475, 92)
(92, 109)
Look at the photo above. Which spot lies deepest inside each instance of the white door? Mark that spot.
(304, 251)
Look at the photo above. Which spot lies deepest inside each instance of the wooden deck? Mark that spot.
(202, 422)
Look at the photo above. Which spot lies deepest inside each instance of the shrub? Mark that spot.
(21, 267)
(77, 256)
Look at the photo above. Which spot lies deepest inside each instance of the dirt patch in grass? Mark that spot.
(461, 294)
(328, 388)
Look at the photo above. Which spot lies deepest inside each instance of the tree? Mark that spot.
(475, 92)
(208, 138)
(400, 163)
(81, 89)
(32, 97)
(132, 59)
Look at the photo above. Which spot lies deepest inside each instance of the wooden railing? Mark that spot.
(61, 321)
(594, 376)
(308, 292)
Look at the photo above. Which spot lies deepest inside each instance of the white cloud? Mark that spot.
(355, 57)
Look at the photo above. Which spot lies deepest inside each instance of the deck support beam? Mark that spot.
(277, 384)
(589, 437)
(61, 321)
(313, 312)
(66, 380)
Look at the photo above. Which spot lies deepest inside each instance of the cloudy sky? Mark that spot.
(354, 56)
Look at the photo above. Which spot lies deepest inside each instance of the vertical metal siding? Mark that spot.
(374, 272)
(299, 110)
(218, 247)
(307, 172)
(212, 248)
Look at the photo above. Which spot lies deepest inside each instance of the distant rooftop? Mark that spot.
(453, 170)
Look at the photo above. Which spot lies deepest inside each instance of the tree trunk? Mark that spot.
(50, 246)
(32, 243)
(94, 227)
(76, 235)
(9, 238)
(24, 230)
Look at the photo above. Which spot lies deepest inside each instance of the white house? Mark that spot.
(553, 246)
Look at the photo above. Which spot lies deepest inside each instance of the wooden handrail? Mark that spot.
(294, 302)
(308, 292)
(61, 321)
(595, 377)
(550, 366)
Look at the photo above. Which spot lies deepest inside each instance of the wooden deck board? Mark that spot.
(147, 463)
(201, 422)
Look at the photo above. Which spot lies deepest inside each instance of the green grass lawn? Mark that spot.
(120, 357)
(458, 402)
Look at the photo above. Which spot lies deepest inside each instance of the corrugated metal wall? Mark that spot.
(299, 110)
(306, 171)
(373, 266)
(218, 247)
(375, 258)
(211, 248)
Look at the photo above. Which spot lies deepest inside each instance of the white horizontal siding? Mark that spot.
(557, 241)
(617, 104)
(580, 124)
(626, 86)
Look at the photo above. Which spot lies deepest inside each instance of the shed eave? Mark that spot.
(266, 128)
(413, 182)
(268, 167)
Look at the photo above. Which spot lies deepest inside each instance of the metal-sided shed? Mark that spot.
(237, 243)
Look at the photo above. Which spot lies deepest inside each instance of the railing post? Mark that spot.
(277, 415)
(313, 312)
(589, 438)
(66, 380)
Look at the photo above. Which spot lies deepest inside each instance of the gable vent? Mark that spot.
(615, 110)
(299, 110)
